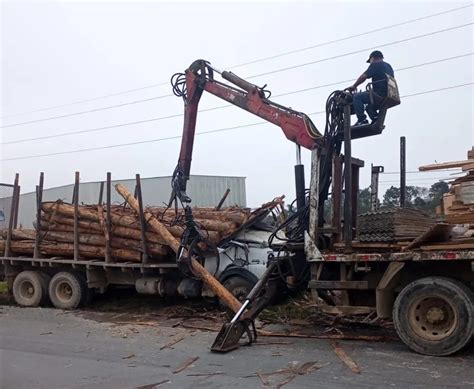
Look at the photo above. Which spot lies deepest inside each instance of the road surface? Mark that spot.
(48, 348)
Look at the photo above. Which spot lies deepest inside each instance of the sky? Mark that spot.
(62, 58)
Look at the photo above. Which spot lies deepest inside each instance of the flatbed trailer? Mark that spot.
(429, 294)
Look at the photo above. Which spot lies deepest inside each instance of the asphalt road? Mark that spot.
(47, 348)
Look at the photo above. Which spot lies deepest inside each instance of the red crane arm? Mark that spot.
(199, 77)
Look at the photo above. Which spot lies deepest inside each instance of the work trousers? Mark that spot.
(361, 102)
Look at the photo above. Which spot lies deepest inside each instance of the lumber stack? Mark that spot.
(56, 231)
(393, 225)
(457, 206)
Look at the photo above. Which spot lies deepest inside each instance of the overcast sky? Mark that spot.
(56, 53)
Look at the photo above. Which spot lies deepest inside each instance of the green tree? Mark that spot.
(363, 200)
(436, 192)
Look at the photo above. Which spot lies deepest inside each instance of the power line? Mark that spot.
(248, 63)
(361, 51)
(212, 108)
(199, 133)
(348, 37)
(88, 111)
(85, 100)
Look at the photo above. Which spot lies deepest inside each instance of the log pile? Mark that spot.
(57, 231)
(392, 225)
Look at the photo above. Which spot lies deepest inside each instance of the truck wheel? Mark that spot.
(65, 290)
(435, 315)
(28, 289)
(45, 280)
(87, 294)
(238, 286)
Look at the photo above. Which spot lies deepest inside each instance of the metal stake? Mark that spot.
(39, 201)
(141, 217)
(12, 217)
(403, 173)
(76, 217)
(347, 179)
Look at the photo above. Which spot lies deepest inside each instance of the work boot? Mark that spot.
(361, 122)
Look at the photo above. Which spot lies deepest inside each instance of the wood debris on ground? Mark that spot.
(290, 372)
(176, 340)
(152, 386)
(188, 362)
(344, 357)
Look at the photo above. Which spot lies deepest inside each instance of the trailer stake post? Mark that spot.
(141, 216)
(12, 217)
(108, 221)
(76, 217)
(403, 173)
(39, 201)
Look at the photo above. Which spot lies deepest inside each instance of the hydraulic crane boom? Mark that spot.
(301, 228)
(199, 77)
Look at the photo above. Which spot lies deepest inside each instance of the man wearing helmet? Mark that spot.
(376, 71)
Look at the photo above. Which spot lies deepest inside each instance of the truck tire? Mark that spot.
(45, 280)
(435, 315)
(28, 288)
(66, 290)
(238, 286)
(87, 294)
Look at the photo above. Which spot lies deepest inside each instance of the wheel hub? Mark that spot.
(27, 289)
(432, 318)
(435, 315)
(64, 291)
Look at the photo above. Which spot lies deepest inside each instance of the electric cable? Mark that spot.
(180, 94)
(200, 133)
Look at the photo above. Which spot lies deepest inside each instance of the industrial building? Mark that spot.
(205, 191)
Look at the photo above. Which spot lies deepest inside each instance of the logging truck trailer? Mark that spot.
(69, 283)
(37, 276)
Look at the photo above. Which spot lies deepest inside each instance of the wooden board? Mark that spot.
(444, 165)
(439, 232)
(450, 246)
(448, 200)
(468, 167)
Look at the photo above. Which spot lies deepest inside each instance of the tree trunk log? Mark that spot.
(214, 285)
(26, 247)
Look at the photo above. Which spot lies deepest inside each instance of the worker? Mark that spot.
(376, 71)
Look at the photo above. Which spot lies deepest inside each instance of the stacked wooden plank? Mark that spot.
(392, 225)
(56, 231)
(457, 206)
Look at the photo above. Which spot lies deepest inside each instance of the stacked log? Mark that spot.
(56, 231)
(393, 225)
